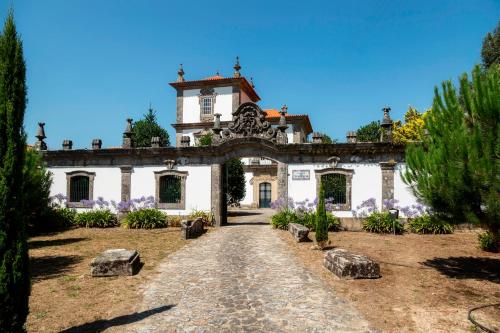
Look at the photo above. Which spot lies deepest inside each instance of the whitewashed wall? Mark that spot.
(107, 181)
(402, 192)
(198, 189)
(366, 183)
(107, 184)
(248, 199)
(191, 104)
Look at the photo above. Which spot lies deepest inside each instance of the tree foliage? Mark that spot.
(236, 187)
(321, 219)
(14, 261)
(369, 132)
(205, 139)
(37, 182)
(147, 128)
(412, 129)
(456, 169)
(490, 52)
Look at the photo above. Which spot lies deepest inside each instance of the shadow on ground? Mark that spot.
(467, 267)
(36, 244)
(52, 266)
(242, 213)
(247, 223)
(102, 324)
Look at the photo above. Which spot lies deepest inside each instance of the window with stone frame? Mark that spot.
(337, 184)
(207, 107)
(171, 189)
(335, 187)
(207, 101)
(80, 186)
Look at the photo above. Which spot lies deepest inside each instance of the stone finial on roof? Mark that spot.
(180, 72)
(67, 145)
(96, 144)
(386, 126)
(237, 67)
(127, 135)
(251, 82)
(351, 136)
(40, 135)
(281, 137)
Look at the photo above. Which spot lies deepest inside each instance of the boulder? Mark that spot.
(115, 262)
(298, 231)
(348, 265)
(192, 229)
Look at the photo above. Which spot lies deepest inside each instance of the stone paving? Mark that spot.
(241, 278)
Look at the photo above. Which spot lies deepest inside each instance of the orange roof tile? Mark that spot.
(273, 114)
(215, 77)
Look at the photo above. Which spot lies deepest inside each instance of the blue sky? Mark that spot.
(91, 64)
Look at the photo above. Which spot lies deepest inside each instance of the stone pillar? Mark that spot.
(96, 144)
(387, 180)
(283, 181)
(155, 142)
(127, 135)
(185, 141)
(216, 194)
(351, 137)
(67, 145)
(126, 182)
(317, 138)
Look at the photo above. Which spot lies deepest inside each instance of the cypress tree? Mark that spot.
(456, 168)
(14, 260)
(321, 221)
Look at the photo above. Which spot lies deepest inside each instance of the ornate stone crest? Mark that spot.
(249, 121)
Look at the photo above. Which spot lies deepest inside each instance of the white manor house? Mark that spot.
(280, 161)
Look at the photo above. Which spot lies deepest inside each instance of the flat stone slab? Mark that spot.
(115, 262)
(348, 265)
(298, 231)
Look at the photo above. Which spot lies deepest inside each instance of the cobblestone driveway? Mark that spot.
(241, 278)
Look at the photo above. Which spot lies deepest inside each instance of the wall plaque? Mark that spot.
(301, 175)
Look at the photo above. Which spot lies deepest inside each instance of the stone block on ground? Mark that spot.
(348, 265)
(115, 262)
(192, 229)
(298, 231)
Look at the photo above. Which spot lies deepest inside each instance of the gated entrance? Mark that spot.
(264, 195)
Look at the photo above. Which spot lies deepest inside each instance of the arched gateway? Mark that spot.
(190, 176)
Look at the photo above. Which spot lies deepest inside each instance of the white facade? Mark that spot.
(107, 184)
(191, 104)
(107, 181)
(366, 184)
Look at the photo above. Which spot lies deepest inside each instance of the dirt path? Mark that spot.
(242, 277)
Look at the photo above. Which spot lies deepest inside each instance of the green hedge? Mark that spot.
(427, 224)
(281, 219)
(147, 218)
(382, 223)
(100, 218)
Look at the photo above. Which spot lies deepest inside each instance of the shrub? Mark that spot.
(206, 216)
(321, 218)
(487, 241)
(147, 218)
(281, 219)
(427, 224)
(306, 218)
(382, 223)
(333, 222)
(174, 221)
(100, 218)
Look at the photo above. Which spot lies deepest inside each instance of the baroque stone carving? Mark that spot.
(249, 121)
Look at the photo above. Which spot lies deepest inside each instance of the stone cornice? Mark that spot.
(241, 147)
